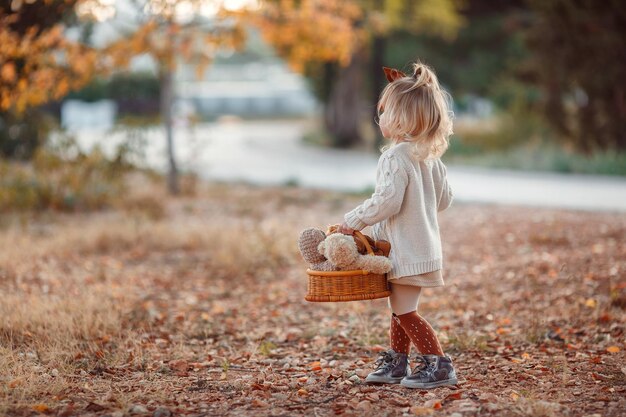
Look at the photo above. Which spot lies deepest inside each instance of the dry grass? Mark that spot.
(195, 303)
(69, 306)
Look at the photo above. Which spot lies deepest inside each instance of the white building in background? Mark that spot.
(76, 114)
(254, 88)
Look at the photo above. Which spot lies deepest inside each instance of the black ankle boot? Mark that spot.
(432, 371)
(391, 367)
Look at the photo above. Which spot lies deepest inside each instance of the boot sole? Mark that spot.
(428, 385)
(382, 380)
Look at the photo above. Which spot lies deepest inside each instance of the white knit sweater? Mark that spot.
(403, 210)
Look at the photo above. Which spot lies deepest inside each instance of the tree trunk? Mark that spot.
(167, 99)
(617, 110)
(342, 112)
(379, 45)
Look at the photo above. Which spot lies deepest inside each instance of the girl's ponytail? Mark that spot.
(423, 76)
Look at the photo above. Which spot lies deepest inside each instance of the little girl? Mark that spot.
(411, 187)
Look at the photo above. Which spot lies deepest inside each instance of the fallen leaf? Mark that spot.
(94, 407)
(612, 349)
(66, 411)
(597, 248)
(259, 387)
(591, 303)
(41, 408)
(399, 402)
(179, 365)
(364, 405)
(137, 409)
(435, 404)
(555, 335)
(259, 404)
(315, 366)
(15, 383)
(454, 396)
(373, 397)
(420, 411)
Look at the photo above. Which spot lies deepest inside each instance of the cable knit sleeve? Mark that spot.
(391, 181)
(444, 193)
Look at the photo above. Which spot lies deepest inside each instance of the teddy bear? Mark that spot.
(341, 251)
(379, 247)
(307, 243)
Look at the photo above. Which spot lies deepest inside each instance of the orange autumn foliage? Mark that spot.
(40, 66)
(310, 30)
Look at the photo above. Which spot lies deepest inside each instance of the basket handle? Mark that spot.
(362, 238)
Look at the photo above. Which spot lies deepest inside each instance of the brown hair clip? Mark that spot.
(393, 74)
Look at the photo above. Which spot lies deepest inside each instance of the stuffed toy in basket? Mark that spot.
(343, 267)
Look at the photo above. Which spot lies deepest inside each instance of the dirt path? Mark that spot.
(199, 310)
(272, 152)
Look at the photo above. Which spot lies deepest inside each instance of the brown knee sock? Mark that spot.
(421, 333)
(400, 342)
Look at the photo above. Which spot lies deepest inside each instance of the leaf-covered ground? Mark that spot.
(195, 307)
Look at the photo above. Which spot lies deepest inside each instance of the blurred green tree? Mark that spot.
(579, 60)
(135, 93)
(487, 59)
(489, 46)
(333, 42)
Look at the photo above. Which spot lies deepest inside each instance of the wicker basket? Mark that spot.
(336, 286)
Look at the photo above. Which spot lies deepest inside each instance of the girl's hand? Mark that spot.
(343, 228)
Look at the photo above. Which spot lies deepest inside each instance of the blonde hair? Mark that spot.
(416, 109)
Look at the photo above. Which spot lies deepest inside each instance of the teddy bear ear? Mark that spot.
(312, 234)
(321, 247)
(304, 233)
(384, 246)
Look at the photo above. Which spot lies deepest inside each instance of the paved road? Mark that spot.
(270, 152)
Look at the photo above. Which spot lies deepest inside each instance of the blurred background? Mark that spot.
(158, 159)
(284, 92)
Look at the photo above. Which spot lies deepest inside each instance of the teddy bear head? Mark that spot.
(339, 249)
(342, 252)
(379, 247)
